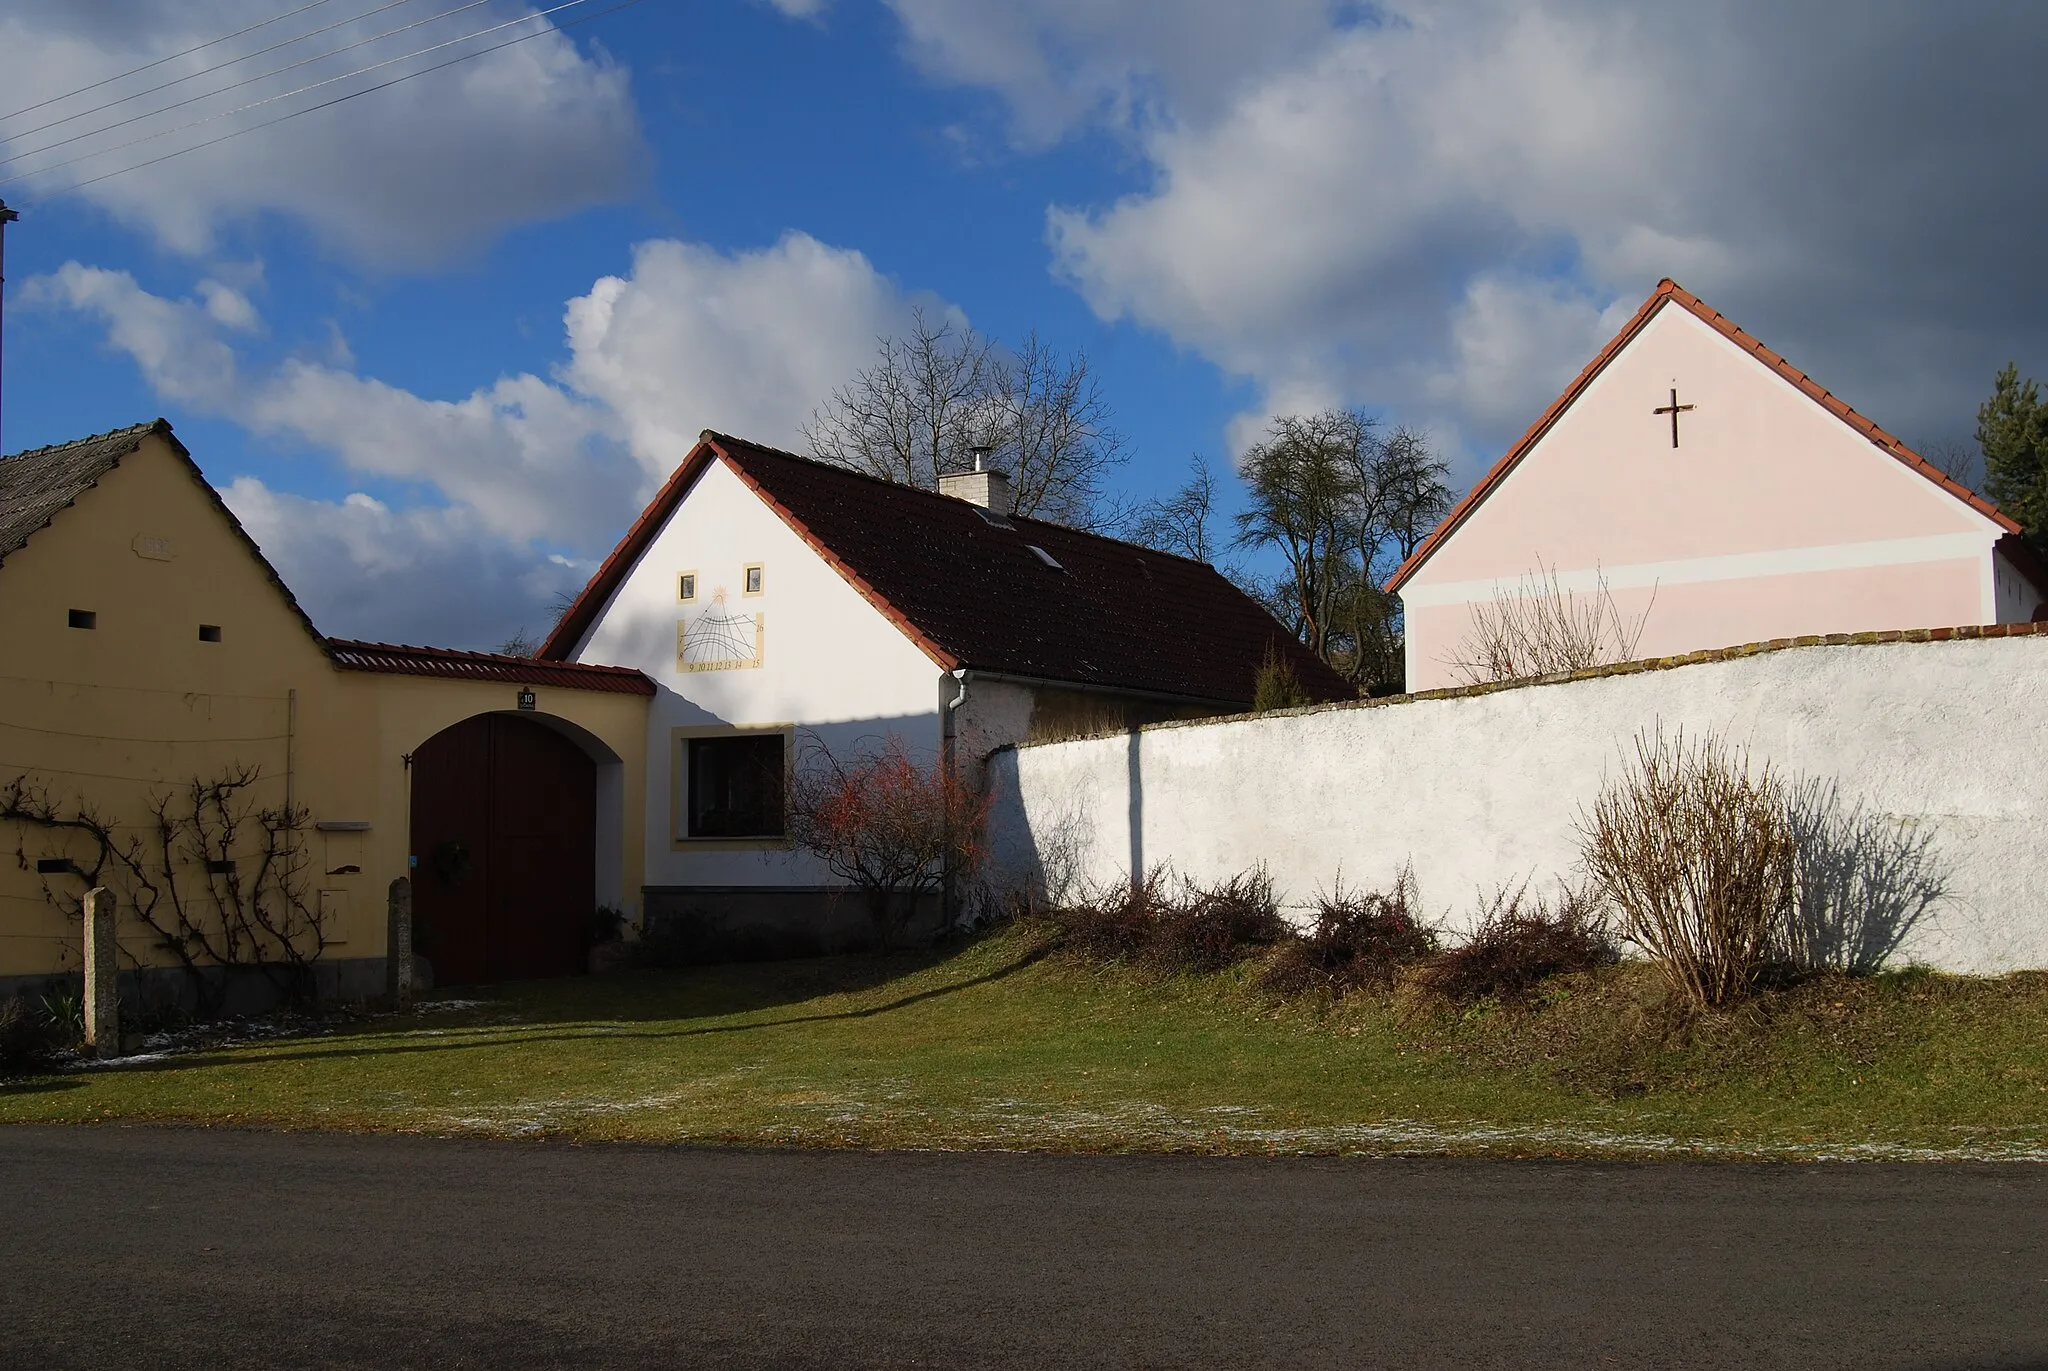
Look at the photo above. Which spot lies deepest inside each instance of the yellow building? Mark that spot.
(174, 728)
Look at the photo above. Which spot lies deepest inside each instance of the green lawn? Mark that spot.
(1001, 1045)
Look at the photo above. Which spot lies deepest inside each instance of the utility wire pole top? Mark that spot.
(7, 216)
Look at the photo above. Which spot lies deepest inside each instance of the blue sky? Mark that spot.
(357, 319)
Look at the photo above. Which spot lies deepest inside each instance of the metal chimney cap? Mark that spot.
(980, 452)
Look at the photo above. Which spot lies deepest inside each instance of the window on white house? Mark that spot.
(735, 785)
(753, 580)
(686, 587)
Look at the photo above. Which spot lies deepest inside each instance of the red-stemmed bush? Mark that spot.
(891, 827)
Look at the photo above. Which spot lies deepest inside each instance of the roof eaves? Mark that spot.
(583, 610)
(1669, 292)
(1499, 472)
(930, 646)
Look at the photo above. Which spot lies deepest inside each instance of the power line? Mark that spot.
(328, 104)
(146, 66)
(205, 71)
(251, 80)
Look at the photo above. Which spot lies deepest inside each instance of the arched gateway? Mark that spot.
(504, 826)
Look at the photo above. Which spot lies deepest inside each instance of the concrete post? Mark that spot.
(102, 991)
(398, 944)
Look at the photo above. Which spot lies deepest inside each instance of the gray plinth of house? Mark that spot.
(398, 944)
(102, 992)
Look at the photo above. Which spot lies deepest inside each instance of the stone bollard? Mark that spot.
(398, 944)
(102, 990)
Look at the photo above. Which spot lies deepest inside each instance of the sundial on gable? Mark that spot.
(716, 639)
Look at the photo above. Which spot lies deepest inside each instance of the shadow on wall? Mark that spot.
(1866, 880)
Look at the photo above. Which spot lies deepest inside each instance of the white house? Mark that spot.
(767, 594)
(1714, 495)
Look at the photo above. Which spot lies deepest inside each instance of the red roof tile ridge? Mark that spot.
(457, 654)
(1669, 291)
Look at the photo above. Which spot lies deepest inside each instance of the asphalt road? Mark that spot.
(145, 1248)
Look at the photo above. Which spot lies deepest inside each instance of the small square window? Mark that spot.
(54, 866)
(735, 786)
(753, 580)
(209, 633)
(686, 586)
(82, 618)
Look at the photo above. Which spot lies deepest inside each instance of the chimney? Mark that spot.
(984, 486)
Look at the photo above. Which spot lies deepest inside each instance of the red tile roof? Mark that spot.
(398, 659)
(1669, 292)
(973, 594)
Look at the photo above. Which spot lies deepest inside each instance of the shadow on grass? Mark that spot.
(361, 1044)
(36, 1086)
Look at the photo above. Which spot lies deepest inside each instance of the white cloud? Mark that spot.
(1439, 206)
(430, 575)
(1061, 63)
(530, 480)
(406, 176)
(746, 343)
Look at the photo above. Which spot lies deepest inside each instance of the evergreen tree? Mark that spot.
(2012, 429)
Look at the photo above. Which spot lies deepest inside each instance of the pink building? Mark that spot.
(1712, 495)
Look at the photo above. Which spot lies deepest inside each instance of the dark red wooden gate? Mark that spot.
(504, 824)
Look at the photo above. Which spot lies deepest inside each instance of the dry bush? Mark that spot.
(1205, 930)
(1519, 943)
(1540, 628)
(1698, 855)
(1360, 941)
(1183, 928)
(1116, 924)
(892, 827)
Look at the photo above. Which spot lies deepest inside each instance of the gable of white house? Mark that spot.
(806, 651)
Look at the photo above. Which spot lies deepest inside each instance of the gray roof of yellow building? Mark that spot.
(37, 484)
(34, 485)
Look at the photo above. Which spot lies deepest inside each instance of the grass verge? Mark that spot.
(1006, 1044)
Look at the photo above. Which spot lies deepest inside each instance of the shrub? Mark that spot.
(1698, 854)
(890, 826)
(1359, 941)
(1184, 929)
(1115, 924)
(1517, 945)
(21, 1037)
(1205, 930)
(1277, 686)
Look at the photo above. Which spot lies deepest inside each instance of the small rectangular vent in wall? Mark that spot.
(224, 868)
(209, 633)
(54, 866)
(82, 618)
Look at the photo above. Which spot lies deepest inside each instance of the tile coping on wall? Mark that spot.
(1965, 633)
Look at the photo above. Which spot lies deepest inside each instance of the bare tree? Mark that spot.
(942, 389)
(1539, 627)
(916, 411)
(1057, 436)
(1180, 523)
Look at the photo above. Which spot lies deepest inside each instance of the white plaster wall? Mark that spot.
(833, 664)
(2017, 597)
(1942, 740)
